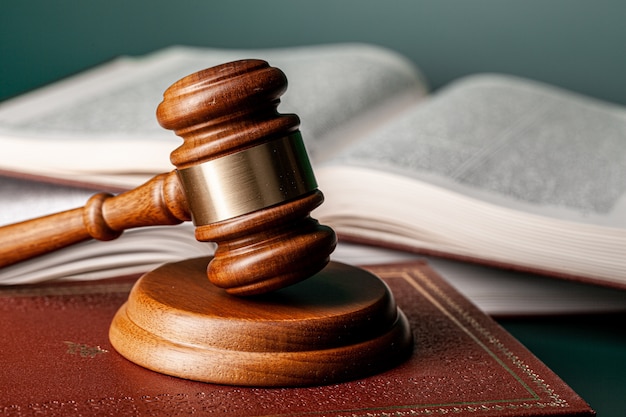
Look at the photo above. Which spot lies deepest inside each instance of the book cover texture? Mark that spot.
(56, 360)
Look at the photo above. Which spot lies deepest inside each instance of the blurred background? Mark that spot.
(577, 44)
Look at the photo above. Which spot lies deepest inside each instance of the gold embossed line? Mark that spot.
(411, 277)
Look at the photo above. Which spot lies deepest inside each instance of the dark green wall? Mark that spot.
(572, 43)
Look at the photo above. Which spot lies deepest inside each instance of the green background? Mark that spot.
(580, 45)
(572, 43)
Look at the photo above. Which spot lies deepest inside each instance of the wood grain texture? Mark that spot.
(305, 321)
(224, 110)
(159, 201)
(219, 111)
(339, 325)
(332, 322)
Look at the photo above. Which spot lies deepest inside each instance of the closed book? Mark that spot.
(56, 359)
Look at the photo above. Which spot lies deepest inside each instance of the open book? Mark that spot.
(100, 128)
(492, 169)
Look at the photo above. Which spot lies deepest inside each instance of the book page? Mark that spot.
(136, 251)
(511, 142)
(496, 291)
(104, 121)
(23, 200)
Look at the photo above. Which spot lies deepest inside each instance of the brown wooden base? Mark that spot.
(338, 325)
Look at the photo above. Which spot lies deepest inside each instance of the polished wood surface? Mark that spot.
(160, 201)
(340, 324)
(223, 110)
(219, 111)
(304, 320)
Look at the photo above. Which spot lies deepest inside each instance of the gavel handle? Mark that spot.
(160, 201)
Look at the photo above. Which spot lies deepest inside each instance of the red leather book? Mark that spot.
(56, 359)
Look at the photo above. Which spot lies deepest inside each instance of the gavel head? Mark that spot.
(246, 176)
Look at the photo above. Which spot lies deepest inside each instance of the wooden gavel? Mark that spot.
(242, 175)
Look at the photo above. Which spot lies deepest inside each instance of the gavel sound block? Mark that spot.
(274, 311)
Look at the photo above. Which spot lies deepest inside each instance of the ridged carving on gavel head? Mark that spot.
(246, 176)
(225, 109)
